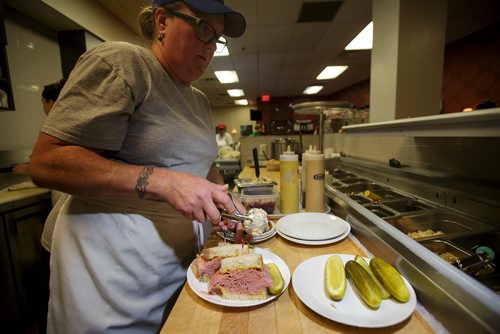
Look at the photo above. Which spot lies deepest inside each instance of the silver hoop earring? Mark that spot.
(161, 37)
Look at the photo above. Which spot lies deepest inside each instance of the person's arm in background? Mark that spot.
(82, 171)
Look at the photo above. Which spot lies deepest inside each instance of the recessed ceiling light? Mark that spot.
(312, 90)
(243, 102)
(331, 72)
(227, 76)
(235, 92)
(364, 40)
(224, 52)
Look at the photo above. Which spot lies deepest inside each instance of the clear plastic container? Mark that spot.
(263, 198)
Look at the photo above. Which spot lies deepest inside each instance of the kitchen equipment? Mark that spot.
(256, 162)
(255, 183)
(280, 145)
(246, 130)
(236, 216)
(475, 264)
(331, 115)
(263, 198)
(281, 121)
(305, 126)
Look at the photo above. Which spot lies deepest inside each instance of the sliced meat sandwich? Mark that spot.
(244, 277)
(207, 263)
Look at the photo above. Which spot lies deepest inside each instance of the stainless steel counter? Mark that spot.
(400, 200)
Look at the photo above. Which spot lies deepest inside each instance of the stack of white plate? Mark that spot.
(312, 228)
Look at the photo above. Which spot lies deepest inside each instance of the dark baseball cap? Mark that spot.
(234, 22)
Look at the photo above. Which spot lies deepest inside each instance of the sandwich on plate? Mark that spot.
(236, 272)
(208, 263)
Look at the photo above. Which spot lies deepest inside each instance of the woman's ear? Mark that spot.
(161, 18)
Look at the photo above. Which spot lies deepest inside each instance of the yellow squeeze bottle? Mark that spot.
(289, 182)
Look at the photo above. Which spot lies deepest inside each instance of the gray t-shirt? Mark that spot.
(120, 99)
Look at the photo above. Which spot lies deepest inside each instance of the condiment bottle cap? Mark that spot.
(289, 155)
(314, 151)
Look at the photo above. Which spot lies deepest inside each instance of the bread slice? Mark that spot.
(226, 250)
(247, 261)
(239, 296)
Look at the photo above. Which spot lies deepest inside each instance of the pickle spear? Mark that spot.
(335, 279)
(278, 282)
(383, 292)
(391, 279)
(364, 284)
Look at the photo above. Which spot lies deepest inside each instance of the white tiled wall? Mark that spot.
(473, 157)
(34, 61)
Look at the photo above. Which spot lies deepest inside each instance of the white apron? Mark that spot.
(115, 264)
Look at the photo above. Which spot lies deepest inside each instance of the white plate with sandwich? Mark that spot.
(221, 283)
(308, 284)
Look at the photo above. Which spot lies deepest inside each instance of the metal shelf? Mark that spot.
(480, 123)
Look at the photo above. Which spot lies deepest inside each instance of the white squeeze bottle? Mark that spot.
(289, 182)
(315, 181)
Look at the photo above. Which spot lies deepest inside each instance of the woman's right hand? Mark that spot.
(195, 197)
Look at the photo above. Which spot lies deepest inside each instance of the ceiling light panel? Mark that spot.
(224, 52)
(235, 92)
(227, 76)
(311, 90)
(243, 102)
(331, 72)
(364, 40)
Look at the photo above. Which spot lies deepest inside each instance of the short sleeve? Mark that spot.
(94, 106)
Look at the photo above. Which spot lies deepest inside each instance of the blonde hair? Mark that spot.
(146, 19)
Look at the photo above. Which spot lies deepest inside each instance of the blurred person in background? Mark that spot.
(223, 138)
(50, 93)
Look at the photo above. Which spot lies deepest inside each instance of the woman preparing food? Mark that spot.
(132, 142)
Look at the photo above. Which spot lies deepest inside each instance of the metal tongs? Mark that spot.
(472, 265)
(237, 216)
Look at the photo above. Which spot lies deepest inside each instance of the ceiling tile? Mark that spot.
(338, 35)
(275, 38)
(246, 43)
(272, 12)
(306, 36)
(318, 11)
(245, 62)
(354, 10)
